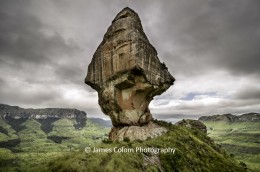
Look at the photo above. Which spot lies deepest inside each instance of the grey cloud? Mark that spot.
(211, 35)
(187, 108)
(47, 45)
(176, 116)
(22, 39)
(25, 47)
(70, 73)
(193, 95)
(26, 95)
(250, 92)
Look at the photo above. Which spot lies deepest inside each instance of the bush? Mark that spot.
(108, 141)
(126, 139)
(243, 164)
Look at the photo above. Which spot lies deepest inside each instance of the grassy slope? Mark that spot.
(240, 139)
(11, 132)
(194, 152)
(36, 149)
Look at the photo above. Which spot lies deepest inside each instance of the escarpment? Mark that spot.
(16, 115)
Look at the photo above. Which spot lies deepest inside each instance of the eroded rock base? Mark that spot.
(151, 130)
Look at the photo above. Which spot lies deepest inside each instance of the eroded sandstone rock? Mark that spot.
(151, 130)
(126, 72)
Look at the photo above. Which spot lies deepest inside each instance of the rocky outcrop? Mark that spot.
(151, 130)
(16, 115)
(248, 117)
(193, 124)
(126, 72)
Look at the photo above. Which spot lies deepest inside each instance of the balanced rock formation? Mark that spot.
(126, 73)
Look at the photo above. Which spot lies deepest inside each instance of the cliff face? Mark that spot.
(248, 117)
(16, 115)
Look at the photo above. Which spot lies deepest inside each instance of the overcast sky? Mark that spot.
(211, 47)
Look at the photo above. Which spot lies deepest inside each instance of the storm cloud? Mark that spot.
(211, 47)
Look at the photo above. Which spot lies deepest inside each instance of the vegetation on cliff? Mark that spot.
(240, 139)
(31, 146)
(194, 151)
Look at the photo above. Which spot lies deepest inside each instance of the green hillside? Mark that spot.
(194, 151)
(240, 139)
(31, 146)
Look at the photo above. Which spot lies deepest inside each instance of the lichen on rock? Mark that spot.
(126, 72)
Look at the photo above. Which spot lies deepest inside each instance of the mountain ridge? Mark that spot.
(8, 110)
(247, 117)
(16, 115)
(102, 122)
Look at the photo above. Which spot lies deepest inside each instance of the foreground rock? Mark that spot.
(151, 130)
(126, 72)
(193, 124)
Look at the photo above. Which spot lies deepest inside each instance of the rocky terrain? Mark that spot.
(127, 73)
(193, 124)
(248, 117)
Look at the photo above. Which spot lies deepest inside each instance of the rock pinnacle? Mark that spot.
(127, 74)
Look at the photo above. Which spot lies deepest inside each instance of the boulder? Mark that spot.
(193, 124)
(151, 130)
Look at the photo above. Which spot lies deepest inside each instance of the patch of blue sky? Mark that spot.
(195, 95)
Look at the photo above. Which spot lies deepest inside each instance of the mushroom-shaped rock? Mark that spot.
(126, 72)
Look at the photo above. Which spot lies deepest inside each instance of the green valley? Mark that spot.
(194, 151)
(32, 147)
(56, 139)
(241, 139)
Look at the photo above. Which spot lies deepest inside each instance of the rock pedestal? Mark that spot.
(127, 74)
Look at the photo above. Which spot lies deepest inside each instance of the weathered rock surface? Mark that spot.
(126, 72)
(145, 132)
(193, 124)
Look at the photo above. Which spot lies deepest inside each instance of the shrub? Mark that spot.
(107, 141)
(126, 139)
